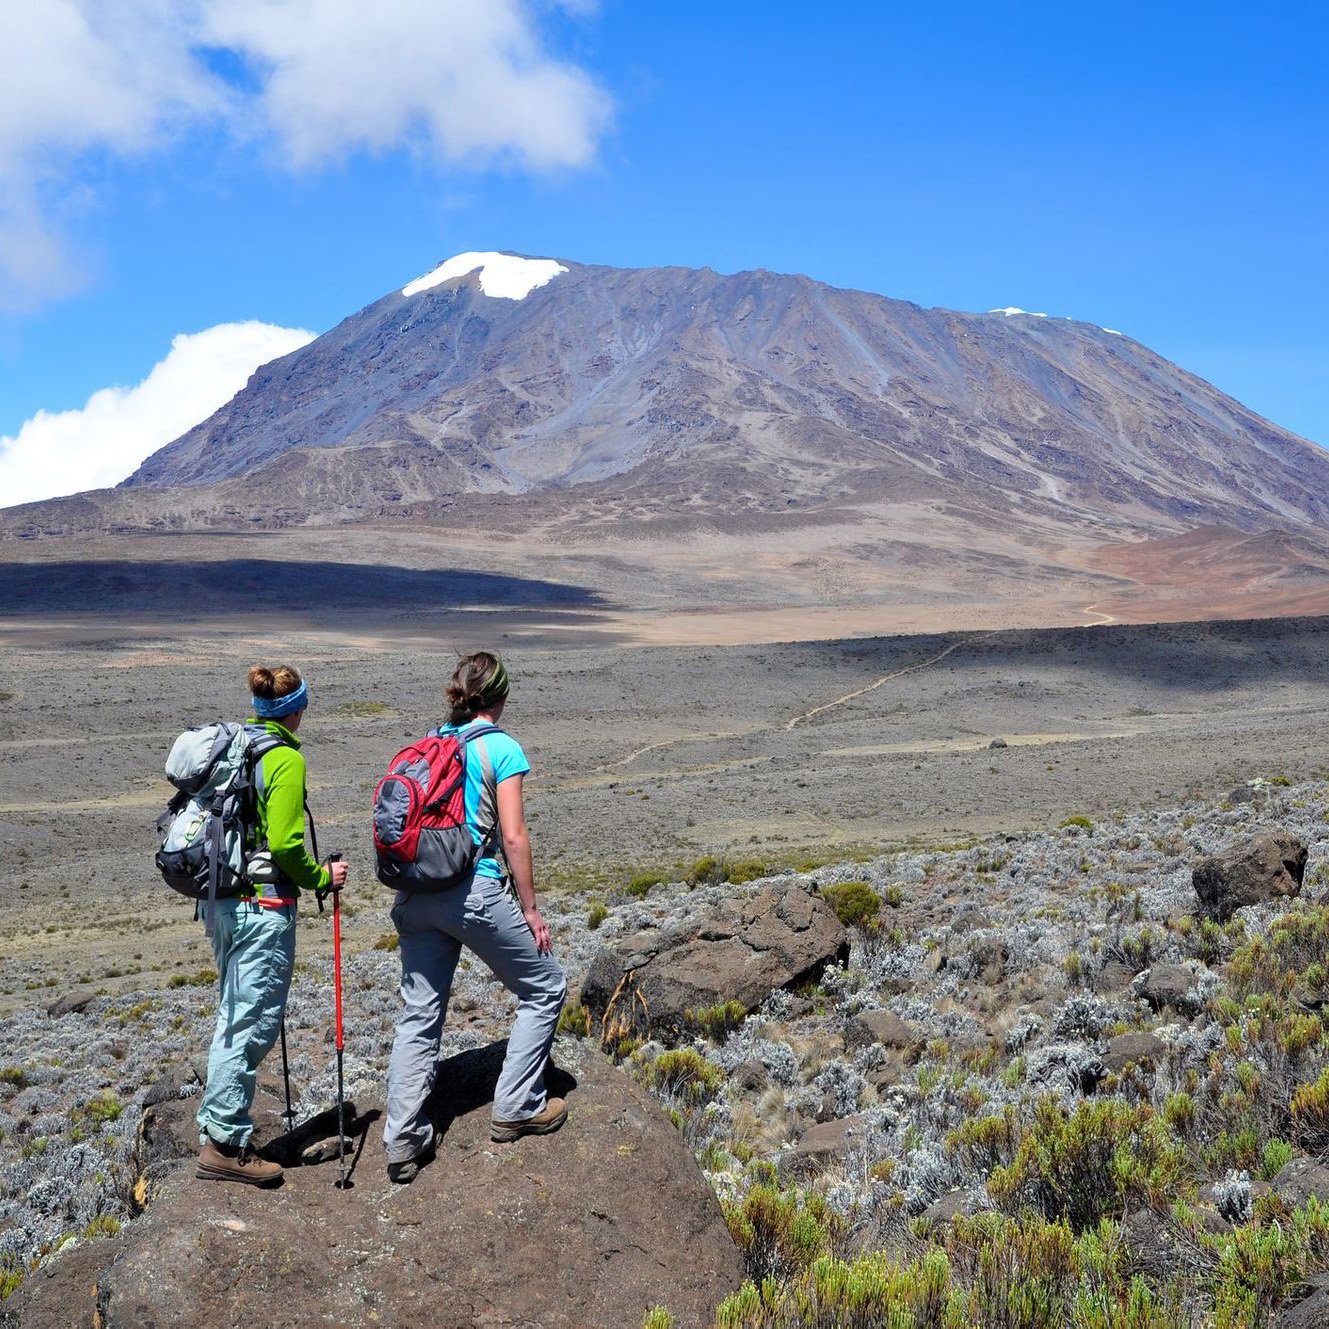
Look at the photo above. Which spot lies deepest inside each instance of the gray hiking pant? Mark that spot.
(485, 919)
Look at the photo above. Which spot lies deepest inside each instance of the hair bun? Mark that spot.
(273, 683)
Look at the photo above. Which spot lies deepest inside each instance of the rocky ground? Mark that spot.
(1045, 1024)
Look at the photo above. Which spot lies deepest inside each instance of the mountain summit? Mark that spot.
(501, 373)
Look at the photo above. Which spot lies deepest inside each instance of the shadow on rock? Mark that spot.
(466, 1083)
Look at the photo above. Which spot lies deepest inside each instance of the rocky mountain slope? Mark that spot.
(512, 375)
(682, 438)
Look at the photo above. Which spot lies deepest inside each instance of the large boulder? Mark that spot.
(655, 983)
(1262, 868)
(590, 1226)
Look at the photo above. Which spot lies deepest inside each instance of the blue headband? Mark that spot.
(274, 708)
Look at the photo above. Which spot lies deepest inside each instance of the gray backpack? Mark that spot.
(204, 828)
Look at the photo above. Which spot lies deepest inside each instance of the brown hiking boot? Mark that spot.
(543, 1123)
(227, 1162)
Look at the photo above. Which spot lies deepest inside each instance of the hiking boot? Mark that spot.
(229, 1162)
(543, 1123)
(408, 1169)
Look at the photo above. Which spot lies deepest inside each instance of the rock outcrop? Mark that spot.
(1263, 868)
(656, 983)
(587, 1227)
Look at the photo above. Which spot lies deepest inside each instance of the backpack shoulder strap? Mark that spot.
(487, 812)
(259, 748)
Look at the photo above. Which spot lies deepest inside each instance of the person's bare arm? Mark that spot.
(517, 848)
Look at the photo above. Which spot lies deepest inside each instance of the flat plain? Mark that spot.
(644, 757)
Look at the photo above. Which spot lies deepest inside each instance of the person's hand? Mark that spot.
(539, 929)
(338, 873)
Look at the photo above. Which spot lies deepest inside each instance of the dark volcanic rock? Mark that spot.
(883, 1027)
(587, 1227)
(1169, 985)
(823, 1146)
(1256, 870)
(742, 951)
(1300, 1178)
(1307, 1306)
(70, 1003)
(1142, 1049)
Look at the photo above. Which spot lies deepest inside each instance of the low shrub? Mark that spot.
(596, 915)
(1077, 823)
(715, 1022)
(387, 941)
(1256, 1265)
(780, 1232)
(746, 870)
(1084, 1165)
(855, 903)
(1309, 1110)
(1293, 951)
(642, 884)
(683, 1073)
(707, 871)
(201, 978)
(985, 1143)
(358, 710)
(575, 1020)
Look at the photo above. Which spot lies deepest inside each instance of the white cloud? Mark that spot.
(472, 81)
(465, 81)
(65, 452)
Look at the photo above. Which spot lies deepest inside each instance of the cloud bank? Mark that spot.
(469, 82)
(64, 452)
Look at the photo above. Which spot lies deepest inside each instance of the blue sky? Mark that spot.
(1157, 169)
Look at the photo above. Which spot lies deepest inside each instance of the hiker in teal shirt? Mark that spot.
(253, 936)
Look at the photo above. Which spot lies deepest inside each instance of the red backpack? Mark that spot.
(421, 839)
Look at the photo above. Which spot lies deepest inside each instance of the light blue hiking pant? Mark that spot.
(255, 951)
(485, 919)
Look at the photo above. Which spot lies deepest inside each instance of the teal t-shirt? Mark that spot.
(507, 759)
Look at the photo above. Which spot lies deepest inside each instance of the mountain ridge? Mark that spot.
(677, 439)
(805, 388)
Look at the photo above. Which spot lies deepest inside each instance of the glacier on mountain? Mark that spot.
(502, 276)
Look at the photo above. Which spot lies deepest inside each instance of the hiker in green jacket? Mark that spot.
(253, 936)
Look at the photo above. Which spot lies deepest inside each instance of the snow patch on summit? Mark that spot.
(502, 276)
(1014, 309)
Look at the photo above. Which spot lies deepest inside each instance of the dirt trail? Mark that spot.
(886, 678)
(798, 719)
(662, 743)
(1095, 612)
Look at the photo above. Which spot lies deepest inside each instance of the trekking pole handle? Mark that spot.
(322, 894)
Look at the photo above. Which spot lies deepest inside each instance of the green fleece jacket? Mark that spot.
(281, 811)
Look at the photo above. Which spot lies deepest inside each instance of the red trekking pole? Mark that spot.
(343, 1181)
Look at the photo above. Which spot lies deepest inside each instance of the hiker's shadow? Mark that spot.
(315, 1140)
(466, 1082)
